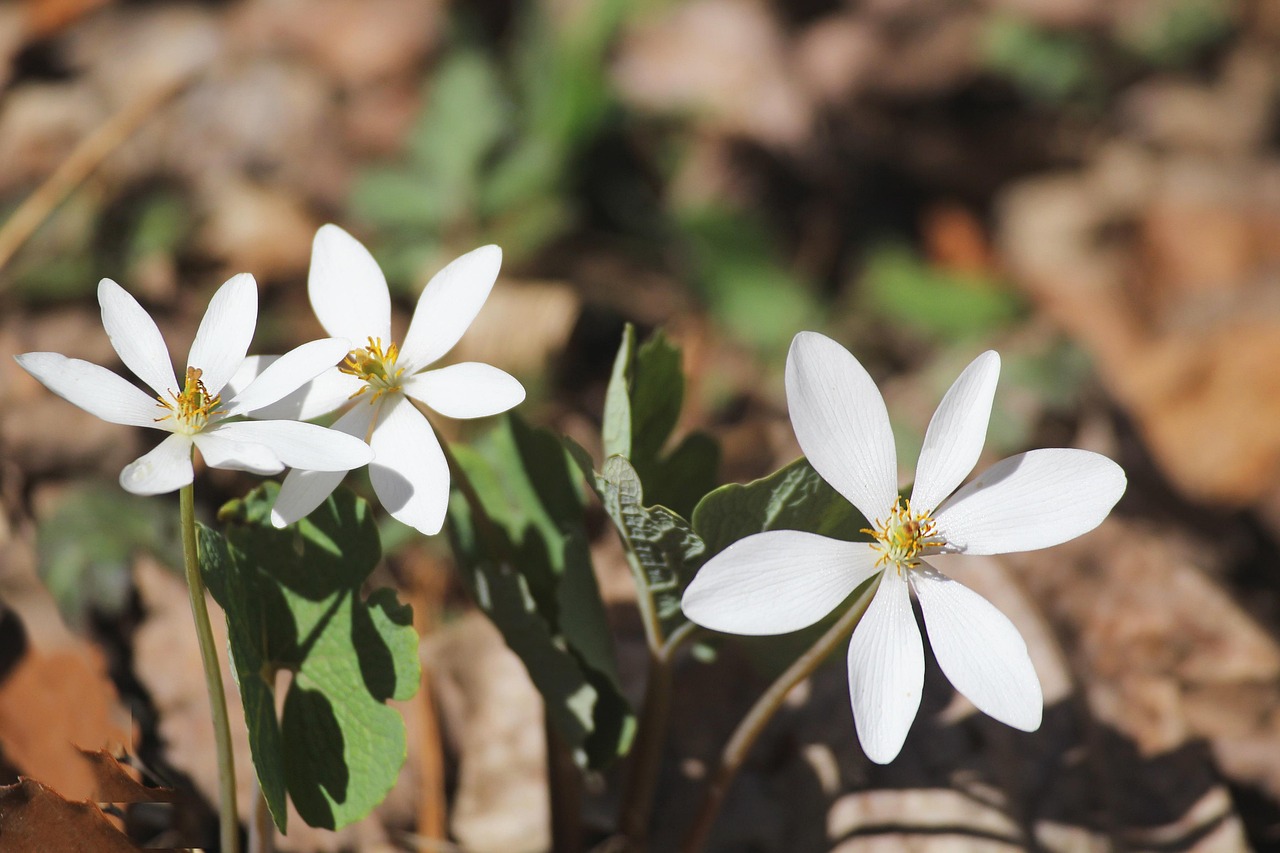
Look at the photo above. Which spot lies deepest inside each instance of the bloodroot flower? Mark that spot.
(384, 379)
(194, 412)
(780, 581)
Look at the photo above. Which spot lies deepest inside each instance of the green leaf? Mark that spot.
(523, 551)
(905, 290)
(792, 498)
(466, 116)
(642, 406)
(741, 272)
(616, 431)
(293, 603)
(1175, 32)
(662, 548)
(1046, 65)
(680, 479)
(391, 199)
(84, 547)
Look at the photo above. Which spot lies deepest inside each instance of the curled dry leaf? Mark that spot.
(36, 818)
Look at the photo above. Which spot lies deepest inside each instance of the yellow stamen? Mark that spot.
(376, 367)
(902, 536)
(194, 406)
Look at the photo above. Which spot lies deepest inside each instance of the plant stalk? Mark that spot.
(646, 751)
(229, 822)
(749, 729)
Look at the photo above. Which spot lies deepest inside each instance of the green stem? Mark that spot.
(749, 729)
(646, 751)
(230, 823)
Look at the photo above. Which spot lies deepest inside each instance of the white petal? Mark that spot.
(250, 369)
(347, 288)
(136, 338)
(95, 389)
(956, 433)
(466, 390)
(979, 650)
(409, 472)
(221, 450)
(886, 670)
(302, 491)
(775, 582)
(300, 445)
(1029, 501)
(225, 331)
(448, 304)
(841, 423)
(328, 391)
(282, 376)
(167, 468)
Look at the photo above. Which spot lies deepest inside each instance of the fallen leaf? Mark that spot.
(50, 704)
(36, 819)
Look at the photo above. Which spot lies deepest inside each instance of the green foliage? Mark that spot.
(641, 409)
(490, 157)
(57, 263)
(792, 498)
(1173, 33)
(85, 545)
(162, 224)
(739, 271)
(523, 551)
(903, 289)
(662, 549)
(293, 603)
(1045, 65)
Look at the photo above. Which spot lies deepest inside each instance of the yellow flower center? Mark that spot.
(194, 406)
(902, 536)
(376, 367)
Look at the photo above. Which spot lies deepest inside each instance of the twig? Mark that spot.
(82, 161)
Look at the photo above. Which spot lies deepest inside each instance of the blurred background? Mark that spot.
(1092, 187)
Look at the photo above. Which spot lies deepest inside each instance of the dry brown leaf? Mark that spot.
(50, 704)
(44, 18)
(114, 782)
(36, 819)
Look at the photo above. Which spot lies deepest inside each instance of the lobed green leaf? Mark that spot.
(523, 551)
(293, 603)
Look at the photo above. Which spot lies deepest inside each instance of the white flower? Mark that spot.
(385, 379)
(780, 581)
(194, 412)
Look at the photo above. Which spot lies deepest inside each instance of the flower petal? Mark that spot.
(225, 331)
(347, 288)
(327, 392)
(221, 450)
(302, 491)
(281, 376)
(841, 423)
(1029, 501)
(979, 650)
(136, 338)
(300, 445)
(95, 389)
(775, 582)
(886, 670)
(466, 390)
(165, 469)
(956, 433)
(409, 473)
(448, 304)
